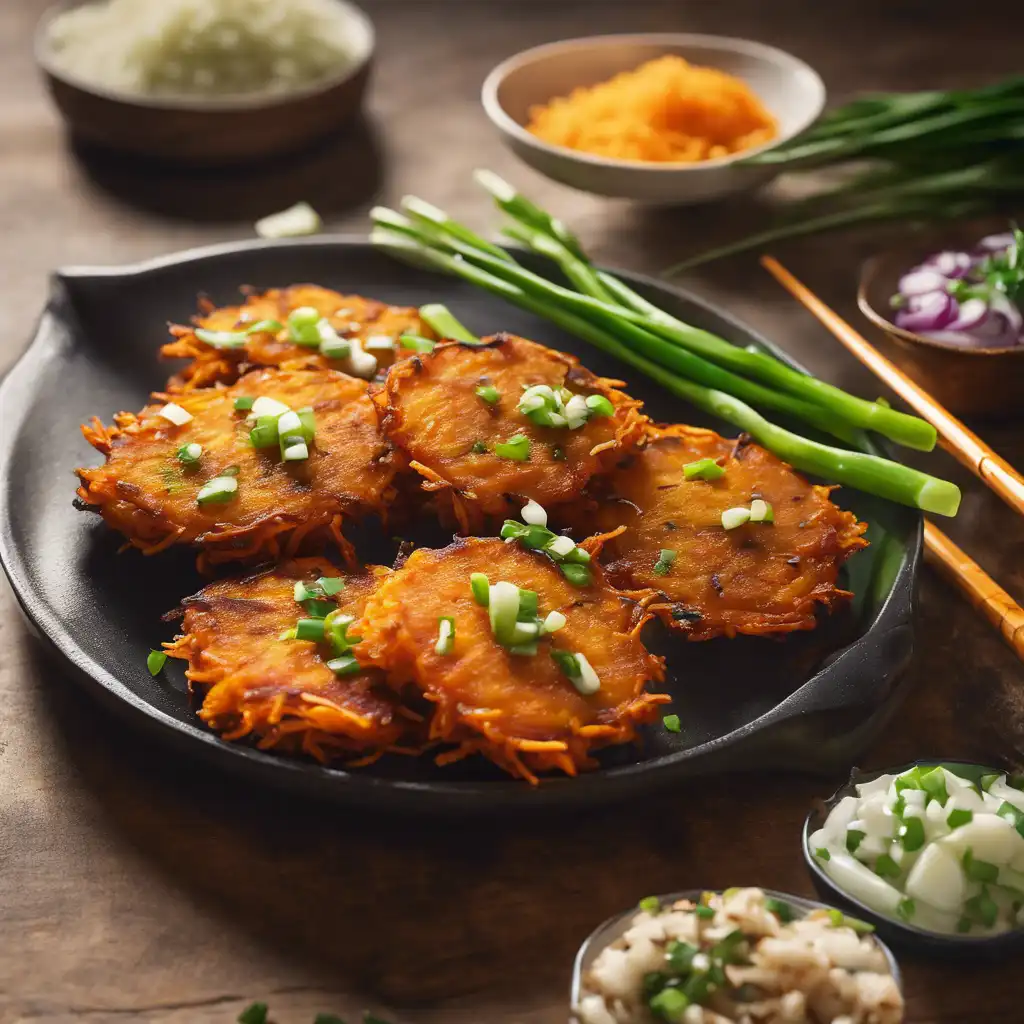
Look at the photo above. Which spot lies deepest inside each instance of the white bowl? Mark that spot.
(792, 91)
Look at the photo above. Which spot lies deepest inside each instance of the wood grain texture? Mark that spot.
(134, 887)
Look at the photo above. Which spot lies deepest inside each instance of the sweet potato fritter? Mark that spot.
(520, 711)
(352, 316)
(760, 578)
(282, 692)
(433, 413)
(144, 491)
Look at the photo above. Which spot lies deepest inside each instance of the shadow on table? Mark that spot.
(337, 174)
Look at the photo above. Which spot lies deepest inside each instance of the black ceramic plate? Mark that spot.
(900, 934)
(811, 702)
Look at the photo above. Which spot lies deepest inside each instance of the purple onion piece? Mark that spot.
(921, 282)
(957, 339)
(971, 315)
(949, 263)
(996, 243)
(931, 312)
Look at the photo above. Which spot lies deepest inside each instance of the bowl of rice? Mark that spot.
(205, 82)
(743, 956)
(664, 118)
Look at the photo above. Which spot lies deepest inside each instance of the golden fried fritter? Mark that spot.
(146, 492)
(282, 692)
(432, 411)
(519, 710)
(352, 316)
(759, 578)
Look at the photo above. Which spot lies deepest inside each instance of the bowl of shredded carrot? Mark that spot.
(663, 118)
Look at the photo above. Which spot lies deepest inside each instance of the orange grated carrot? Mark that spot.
(665, 111)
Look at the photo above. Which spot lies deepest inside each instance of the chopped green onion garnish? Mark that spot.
(488, 393)
(672, 723)
(534, 514)
(910, 779)
(982, 908)
(264, 406)
(221, 339)
(217, 491)
(979, 870)
(761, 511)
(528, 603)
(156, 661)
(1013, 814)
(174, 413)
(309, 629)
(332, 345)
(479, 448)
(264, 434)
(580, 672)
(265, 327)
(933, 782)
(822, 854)
(706, 913)
(669, 1004)
(836, 918)
(734, 517)
(481, 589)
(190, 454)
(985, 782)
(703, 469)
(959, 817)
(307, 422)
(664, 562)
(600, 406)
(300, 219)
(566, 661)
(650, 904)
(906, 909)
(331, 585)
(886, 867)
(318, 609)
(346, 665)
(415, 343)
(302, 326)
(297, 452)
(782, 910)
(679, 956)
(305, 592)
(553, 622)
(911, 834)
(445, 635)
(336, 626)
(577, 575)
(503, 609)
(243, 403)
(255, 1013)
(516, 448)
(527, 650)
(854, 837)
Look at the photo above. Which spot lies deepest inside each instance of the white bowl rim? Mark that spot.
(498, 115)
(43, 54)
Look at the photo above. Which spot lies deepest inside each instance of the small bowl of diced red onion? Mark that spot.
(954, 309)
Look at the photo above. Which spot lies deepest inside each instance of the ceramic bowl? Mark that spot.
(792, 91)
(898, 933)
(612, 929)
(985, 382)
(208, 132)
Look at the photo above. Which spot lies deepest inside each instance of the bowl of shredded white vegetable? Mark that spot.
(205, 81)
(932, 853)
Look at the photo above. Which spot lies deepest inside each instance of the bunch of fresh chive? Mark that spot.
(918, 156)
(737, 385)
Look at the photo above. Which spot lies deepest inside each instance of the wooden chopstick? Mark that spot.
(960, 442)
(951, 562)
(980, 589)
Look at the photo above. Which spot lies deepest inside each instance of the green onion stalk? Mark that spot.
(910, 431)
(862, 471)
(675, 358)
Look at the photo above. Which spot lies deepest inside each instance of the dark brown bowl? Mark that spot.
(213, 132)
(983, 382)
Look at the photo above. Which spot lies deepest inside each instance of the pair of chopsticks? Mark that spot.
(952, 563)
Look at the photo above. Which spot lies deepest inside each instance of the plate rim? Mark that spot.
(610, 784)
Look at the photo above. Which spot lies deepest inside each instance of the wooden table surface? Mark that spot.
(136, 887)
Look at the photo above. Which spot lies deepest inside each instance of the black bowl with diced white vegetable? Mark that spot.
(737, 955)
(932, 853)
